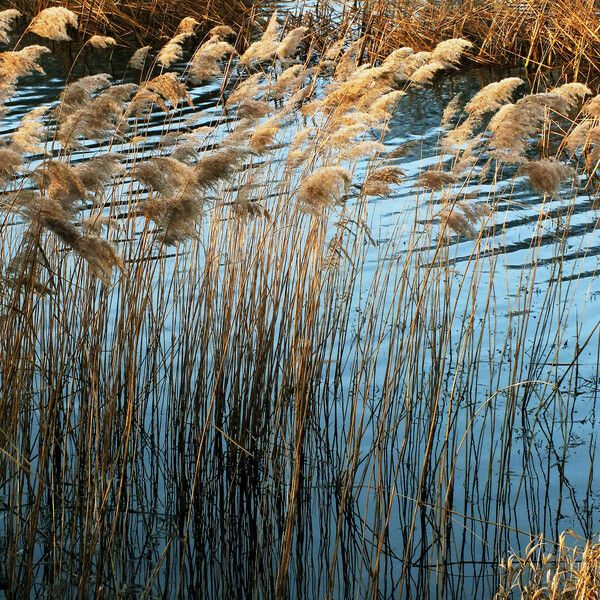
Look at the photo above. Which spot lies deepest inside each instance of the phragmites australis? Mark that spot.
(265, 48)
(514, 124)
(7, 18)
(488, 100)
(172, 51)
(17, 64)
(31, 131)
(546, 175)
(10, 163)
(379, 182)
(169, 88)
(102, 41)
(79, 94)
(163, 174)
(139, 57)
(288, 47)
(221, 32)
(97, 172)
(205, 63)
(592, 108)
(187, 26)
(436, 179)
(53, 23)
(322, 188)
(60, 182)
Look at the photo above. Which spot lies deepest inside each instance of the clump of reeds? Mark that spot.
(552, 571)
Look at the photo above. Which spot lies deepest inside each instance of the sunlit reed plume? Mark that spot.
(102, 41)
(7, 18)
(323, 188)
(546, 175)
(53, 23)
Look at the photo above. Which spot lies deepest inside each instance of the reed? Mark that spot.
(217, 379)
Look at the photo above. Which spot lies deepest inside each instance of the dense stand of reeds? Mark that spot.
(207, 384)
(538, 34)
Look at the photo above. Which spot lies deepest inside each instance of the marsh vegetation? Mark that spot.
(277, 321)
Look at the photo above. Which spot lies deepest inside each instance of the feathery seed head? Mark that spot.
(52, 23)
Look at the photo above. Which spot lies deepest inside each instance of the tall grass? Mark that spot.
(216, 381)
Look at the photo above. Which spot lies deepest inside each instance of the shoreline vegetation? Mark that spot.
(196, 349)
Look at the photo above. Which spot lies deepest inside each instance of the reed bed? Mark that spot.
(217, 380)
(537, 34)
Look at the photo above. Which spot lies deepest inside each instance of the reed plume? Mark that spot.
(7, 18)
(139, 57)
(168, 87)
(322, 188)
(97, 172)
(380, 181)
(172, 51)
(187, 26)
(436, 179)
(102, 41)
(265, 48)
(164, 174)
(10, 163)
(488, 100)
(205, 64)
(288, 47)
(31, 132)
(60, 182)
(546, 175)
(53, 23)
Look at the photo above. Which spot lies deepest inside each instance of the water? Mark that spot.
(521, 459)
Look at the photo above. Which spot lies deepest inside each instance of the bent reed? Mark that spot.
(214, 377)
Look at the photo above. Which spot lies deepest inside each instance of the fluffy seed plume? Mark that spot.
(487, 100)
(163, 174)
(265, 48)
(14, 65)
(102, 41)
(52, 23)
(323, 188)
(187, 26)
(31, 132)
(451, 51)
(435, 179)
(99, 171)
(546, 175)
(10, 163)
(514, 124)
(206, 61)
(139, 57)
(288, 47)
(176, 216)
(169, 88)
(60, 182)
(7, 18)
(592, 108)
(219, 165)
(172, 51)
(221, 32)
(380, 181)
(79, 94)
